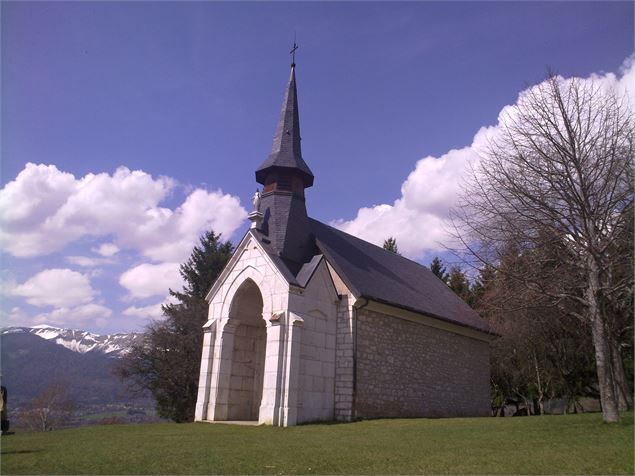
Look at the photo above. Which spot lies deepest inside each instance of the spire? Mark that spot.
(281, 217)
(286, 153)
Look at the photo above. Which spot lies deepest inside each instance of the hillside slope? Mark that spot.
(31, 363)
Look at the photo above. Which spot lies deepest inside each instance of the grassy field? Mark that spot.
(573, 444)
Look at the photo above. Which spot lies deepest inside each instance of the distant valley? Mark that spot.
(33, 358)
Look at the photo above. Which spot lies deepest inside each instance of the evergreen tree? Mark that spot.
(167, 360)
(458, 282)
(481, 285)
(439, 270)
(390, 244)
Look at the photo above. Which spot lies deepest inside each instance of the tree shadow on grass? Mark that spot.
(19, 452)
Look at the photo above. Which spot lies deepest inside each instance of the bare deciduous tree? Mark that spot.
(51, 408)
(559, 169)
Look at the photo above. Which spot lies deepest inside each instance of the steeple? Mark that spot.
(286, 153)
(285, 175)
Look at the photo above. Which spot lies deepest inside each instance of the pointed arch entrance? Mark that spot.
(247, 362)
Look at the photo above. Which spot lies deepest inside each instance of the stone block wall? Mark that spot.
(317, 369)
(344, 360)
(407, 369)
(317, 306)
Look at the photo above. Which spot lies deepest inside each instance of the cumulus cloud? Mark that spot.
(418, 219)
(78, 316)
(45, 209)
(107, 249)
(87, 261)
(147, 280)
(90, 312)
(67, 292)
(174, 239)
(152, 311)
(57, 288)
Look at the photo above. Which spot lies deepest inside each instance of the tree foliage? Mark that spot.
(555, 186)
(439, 269)
(390, 244)
(167, 359)
(459, 283)
(542, 353)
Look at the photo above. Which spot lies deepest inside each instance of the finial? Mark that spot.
(293, 50)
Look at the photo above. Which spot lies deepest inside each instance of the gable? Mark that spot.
(248, 254)
(320, 285)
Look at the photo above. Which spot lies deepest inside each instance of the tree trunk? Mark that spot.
(600, 336)
(538, 402)
(624, 400)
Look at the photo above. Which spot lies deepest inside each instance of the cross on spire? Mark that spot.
(292, 52)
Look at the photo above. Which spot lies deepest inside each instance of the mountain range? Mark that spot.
(113, 345)
(33, 358)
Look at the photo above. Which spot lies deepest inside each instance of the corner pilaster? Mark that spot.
(218, 406)
(205, 375)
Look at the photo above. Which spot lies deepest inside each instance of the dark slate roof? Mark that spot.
(374, 273)
(306, 272)
(286, 153)
(275, 257)
(286, 225)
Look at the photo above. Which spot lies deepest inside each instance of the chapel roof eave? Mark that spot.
(275, 164)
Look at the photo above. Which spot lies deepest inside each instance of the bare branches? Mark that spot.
(560, 164)
(554, 191)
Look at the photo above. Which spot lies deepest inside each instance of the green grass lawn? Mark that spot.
(572, 444)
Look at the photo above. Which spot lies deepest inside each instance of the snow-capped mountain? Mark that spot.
(113, 345)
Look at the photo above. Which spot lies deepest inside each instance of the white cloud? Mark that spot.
(418, 219)
(68, 292)
(88, 262)
(15, 317)
(174, 239)
(90, 312)
(56, 287)
(45, 209)
(107, 249)
(152, 311)
(147, 280)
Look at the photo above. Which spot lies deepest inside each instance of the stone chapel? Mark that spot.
(308, 323)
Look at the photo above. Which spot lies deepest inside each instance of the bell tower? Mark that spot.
(284, 176)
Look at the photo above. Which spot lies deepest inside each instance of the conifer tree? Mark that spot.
(166, 361)
(439, 269)
(390, 244)
(458, 282)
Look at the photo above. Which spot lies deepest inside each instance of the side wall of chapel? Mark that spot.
(408, 369)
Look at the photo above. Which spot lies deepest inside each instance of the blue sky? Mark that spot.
(390, 93)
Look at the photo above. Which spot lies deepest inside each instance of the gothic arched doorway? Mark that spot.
(248, 356)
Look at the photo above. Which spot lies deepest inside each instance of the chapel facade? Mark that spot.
(308, 323)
